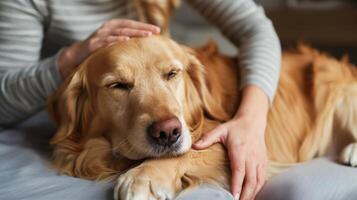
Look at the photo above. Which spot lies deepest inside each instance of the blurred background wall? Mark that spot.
(330, 25)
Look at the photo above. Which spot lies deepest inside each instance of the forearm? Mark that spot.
(254, 106)
(260, 56)
(245, 24)
(25, 79)
(24, 91)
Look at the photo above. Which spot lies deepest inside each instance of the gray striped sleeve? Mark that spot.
(246, 25)
(25, 82)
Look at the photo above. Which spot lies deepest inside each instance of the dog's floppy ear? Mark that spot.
(70, 108)
(199, 100)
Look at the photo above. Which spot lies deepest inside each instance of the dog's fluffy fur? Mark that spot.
(156, 12)
(102, 125)
(103, 110)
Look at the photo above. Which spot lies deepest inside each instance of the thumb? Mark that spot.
(209, 138)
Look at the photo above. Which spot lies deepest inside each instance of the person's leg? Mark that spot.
(319, 179)
(206, 192)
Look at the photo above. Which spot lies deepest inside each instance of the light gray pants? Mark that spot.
(320, 179)
(24, 174)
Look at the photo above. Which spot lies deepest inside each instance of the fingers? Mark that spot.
(95, 43)
(112, 39)
(250, 182)
(238, 171)
(120, 23)
(110, 32)
(131, 32)
(260, 178)
(210, 138)
(119, 30)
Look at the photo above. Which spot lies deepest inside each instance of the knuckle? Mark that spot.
(110, 39)
(237, 151)
(129, 23)
(239, 170)
(120, 39)
(124, 22)
(120, 31)
(125, 30)
(251, 183)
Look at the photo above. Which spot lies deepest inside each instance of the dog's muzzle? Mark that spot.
(165, 133)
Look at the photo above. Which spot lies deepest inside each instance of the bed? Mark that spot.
(26, 173)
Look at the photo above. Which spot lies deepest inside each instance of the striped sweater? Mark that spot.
(32, 33)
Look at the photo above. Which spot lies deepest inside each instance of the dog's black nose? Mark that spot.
(165, 132)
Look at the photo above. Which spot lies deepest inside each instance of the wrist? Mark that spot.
(256, 116)
(68, 59)
(254, 104)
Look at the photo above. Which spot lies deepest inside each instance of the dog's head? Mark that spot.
(147, 96)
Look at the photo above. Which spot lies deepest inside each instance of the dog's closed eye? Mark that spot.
(120, 85)
(171, 74)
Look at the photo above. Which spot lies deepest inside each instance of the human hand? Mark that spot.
(116, 30)
(243, 136)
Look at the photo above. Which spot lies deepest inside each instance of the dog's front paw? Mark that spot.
(349, 155)
(142, 184)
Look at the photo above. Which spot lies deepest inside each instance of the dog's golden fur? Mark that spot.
(316, 94)
(102, 111)
(156, 12)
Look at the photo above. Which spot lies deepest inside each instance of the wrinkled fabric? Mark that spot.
(26, 173)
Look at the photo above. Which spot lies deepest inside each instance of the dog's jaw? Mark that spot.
(149, 150)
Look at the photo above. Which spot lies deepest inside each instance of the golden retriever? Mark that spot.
(133, 109)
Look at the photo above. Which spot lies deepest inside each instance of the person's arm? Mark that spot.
(246, 25)
(25, 80)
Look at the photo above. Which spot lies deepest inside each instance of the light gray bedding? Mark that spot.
(25, 174)
(25, 171)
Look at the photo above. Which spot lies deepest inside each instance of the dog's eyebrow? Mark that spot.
(177, 63)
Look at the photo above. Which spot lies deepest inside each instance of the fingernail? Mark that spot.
(237, 196)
